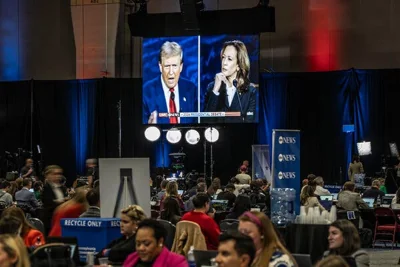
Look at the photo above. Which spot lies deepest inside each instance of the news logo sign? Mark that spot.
(286, 161)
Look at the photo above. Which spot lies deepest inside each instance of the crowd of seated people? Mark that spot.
(254, 242)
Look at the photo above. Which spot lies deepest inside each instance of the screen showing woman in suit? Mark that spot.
(200, 79)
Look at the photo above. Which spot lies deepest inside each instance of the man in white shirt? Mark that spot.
(243, 177)
(320, 190)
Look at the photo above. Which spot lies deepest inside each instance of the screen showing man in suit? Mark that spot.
(167, 95)
(200, 79)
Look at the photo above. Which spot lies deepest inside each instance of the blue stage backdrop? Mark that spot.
(286, 162)
(82, 109)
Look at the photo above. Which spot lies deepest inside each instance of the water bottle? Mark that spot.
(190, 257)
(282, 205)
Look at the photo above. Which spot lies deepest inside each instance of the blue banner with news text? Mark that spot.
(286, 162)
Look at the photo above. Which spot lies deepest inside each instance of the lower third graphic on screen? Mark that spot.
(199, 114)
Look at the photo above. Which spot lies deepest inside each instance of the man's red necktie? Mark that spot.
(172, 107)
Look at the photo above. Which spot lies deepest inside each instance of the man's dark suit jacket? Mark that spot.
(247, 104)
(154, 99)
(48, 197)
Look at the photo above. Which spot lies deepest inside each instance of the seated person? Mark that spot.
(6, 199)
(172, 211)
(26, 197)
(172, 191)
(308, 198)
(193, 190)
(349, 200)
(208, 226)
(235, 250)
(31, 236)
(93, 200)
(120, 248)
(242, 204)
(320, 190)
(163, 186)
(200, 188)
(243, 177)
(344, 241)
(396, 200)
(238, 186)
(228, 195)
(374, 191)
(10, 225)
(13, 252)
(150, 249)
(270, 251)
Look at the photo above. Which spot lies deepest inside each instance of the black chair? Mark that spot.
(170, 232)
(303, 260)
(38, 224)
(54, 255)
(229, 224)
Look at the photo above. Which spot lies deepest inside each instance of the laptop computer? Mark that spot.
(219, 205)
(334, 195)
(387, 201)
(370, 201)
(330, 198)
(203, 257)
(72, 242)
(303, 260)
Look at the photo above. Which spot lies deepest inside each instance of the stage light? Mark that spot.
(192, 137)
(394, 152)
(364, 148)
(152, 133)
(211, 134)
(174, 135)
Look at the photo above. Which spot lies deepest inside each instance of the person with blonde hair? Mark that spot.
(332, 261)
(231, 89)
(308, 198)
(13, 252)
(270, 251)
(120, 248)
(73, 208)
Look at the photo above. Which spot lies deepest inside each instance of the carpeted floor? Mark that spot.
(384, 258)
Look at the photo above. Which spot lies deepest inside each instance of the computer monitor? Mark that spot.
(370, 201)
(219, 205)
(180, 192)
(387, 201)
(330, 198)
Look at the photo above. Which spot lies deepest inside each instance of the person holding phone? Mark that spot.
(231, 90)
